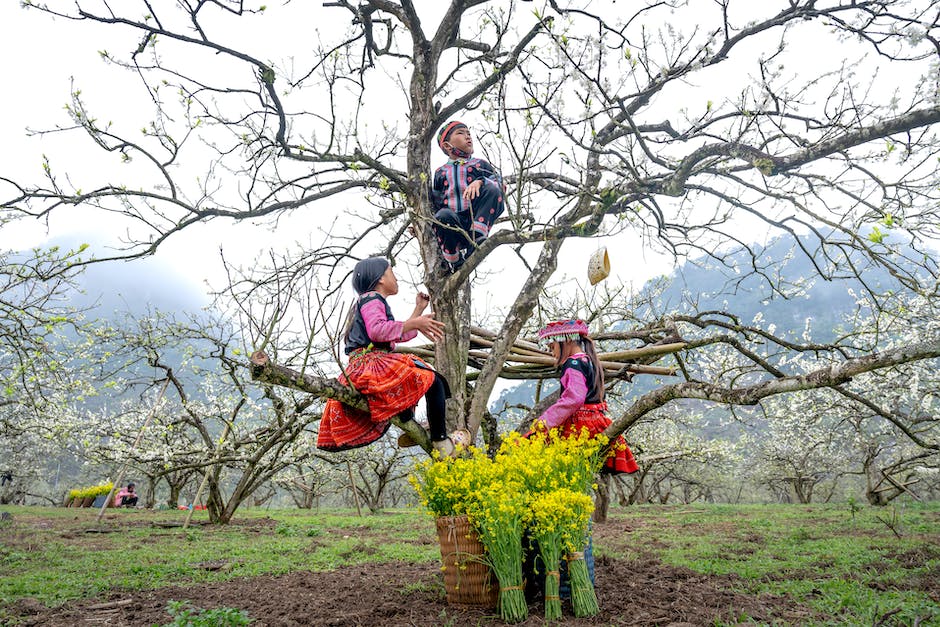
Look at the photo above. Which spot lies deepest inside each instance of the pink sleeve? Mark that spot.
(379, 327)
(570, 401)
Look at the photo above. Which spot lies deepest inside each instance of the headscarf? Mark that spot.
(367, 273)
(444, 135)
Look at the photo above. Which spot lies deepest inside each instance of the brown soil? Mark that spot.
(643, 592)
(636, 592)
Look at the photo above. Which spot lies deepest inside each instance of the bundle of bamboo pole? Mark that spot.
(527, 360)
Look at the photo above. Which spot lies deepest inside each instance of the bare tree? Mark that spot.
(378, 471)
(307, 480)
(599, 120)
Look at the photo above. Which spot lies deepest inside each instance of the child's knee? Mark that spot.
(447, 216)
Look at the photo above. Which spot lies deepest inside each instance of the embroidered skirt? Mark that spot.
(620, 460)
(390, 383)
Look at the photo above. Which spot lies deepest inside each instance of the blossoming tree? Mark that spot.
(681, 127)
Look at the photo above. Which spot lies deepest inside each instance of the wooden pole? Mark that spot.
(646, 351)
(902, 486)
(140, 435)
(523, 349)
(352, 486)
(610, 367)
(519, 341)
(205, 477)
(550, 361)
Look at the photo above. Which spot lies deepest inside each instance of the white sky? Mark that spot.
(50, 53)
(44, 54)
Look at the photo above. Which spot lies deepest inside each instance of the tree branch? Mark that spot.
(829, 376)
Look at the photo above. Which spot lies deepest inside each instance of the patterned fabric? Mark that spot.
(577, 408)
(593, 417)
(462, 220)
(390, 382)
(581, 364)
(563, 330)
(577, 388)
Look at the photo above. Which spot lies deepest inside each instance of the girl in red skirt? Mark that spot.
(581, 403)
(392, 383)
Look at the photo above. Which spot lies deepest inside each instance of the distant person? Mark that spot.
(392, 383)
(127, 497)
(466, 194)
(6, 477)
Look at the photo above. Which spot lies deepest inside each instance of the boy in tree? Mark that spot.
(467, 196)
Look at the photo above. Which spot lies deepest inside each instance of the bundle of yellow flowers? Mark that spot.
(540, 483)
(564, 466)
(547, 461)
(80, 494)
(499, 514)
(449, 486)
(559, 519)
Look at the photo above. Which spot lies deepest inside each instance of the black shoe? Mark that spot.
(453, 266)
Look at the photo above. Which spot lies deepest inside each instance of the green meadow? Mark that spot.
(850, 565)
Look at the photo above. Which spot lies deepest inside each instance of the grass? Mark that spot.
(50, 557)
(845, 563)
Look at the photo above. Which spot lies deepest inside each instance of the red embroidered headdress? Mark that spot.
(563, 330)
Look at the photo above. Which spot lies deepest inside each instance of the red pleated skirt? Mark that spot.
(390, 382)
(620, 459)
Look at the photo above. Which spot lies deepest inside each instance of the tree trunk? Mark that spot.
(602, 500)
(173, 500)
(214, 501)
(451, 354)
(150, 493)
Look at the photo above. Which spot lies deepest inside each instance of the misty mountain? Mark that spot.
(702, 284)
(135, 287)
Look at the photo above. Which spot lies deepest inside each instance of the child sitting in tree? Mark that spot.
(392, 383)
(581, 403)
(466, 194)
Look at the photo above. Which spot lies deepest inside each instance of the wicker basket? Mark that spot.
(468, 579)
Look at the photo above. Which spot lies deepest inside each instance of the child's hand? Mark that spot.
(431, 328)
(473, 190)
(422, 300)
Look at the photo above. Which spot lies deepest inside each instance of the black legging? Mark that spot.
(434, 400)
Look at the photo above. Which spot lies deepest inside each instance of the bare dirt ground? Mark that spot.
(640, 592)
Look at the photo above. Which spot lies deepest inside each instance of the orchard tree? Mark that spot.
(161, 456)
(381, 472)
(307, 480)
(893, 418)
(803, 450)
(684, 127)
(683, 456)
(37, 369)
(211, 423)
